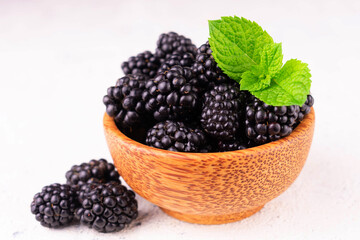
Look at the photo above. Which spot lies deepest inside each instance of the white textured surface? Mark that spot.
(57, 59)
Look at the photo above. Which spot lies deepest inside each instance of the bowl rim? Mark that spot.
(109, 125)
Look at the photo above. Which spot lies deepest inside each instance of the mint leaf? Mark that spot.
(255, 80)
(259, 76)
(271, 58)
(290, 86)
(236, 44)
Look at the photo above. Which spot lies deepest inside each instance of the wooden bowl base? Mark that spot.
(220, 219)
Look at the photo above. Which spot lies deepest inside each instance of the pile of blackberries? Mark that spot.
(93, 196)
(180, 100)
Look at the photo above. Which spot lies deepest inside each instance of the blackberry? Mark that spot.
(124, 102)
(183, 59)
(265, 123)
(144, 63)
(96, 171)
(55, 205)
(107, 207)
(306, 108)
(206, 69)
(221, 112)
(170, 43)
(176, 136)
(170, 96)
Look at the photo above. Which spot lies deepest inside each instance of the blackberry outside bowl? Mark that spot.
(211, 188)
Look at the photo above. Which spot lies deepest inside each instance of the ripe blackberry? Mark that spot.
(306, 108)
(221, 112)
(96, 171)
(124, 102)
(206, 69)
(107, 207)
(170, 43)
(55, 205)
(182, 59)
(265, 123)
(144, 63)
(176, 136)
(170, 96)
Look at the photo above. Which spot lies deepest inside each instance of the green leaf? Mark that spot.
(290, 86)
(255, 80)
(237, 44)
(271, 58)
(259, 76)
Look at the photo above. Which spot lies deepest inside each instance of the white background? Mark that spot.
(57, 59)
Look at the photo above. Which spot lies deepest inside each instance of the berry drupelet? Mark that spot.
(124, 101)
(96, 171)
(170, 43)
(55, 205)
(181, 59)
(265, 123)
(107, 207)
(144, 63)
(206, 69)
(221, 112)
(176, 136)
(170, 96)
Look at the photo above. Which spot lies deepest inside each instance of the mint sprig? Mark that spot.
(248, 55)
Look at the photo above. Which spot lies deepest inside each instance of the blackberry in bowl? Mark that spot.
(206, 70)
(181, 59)
(170, 43)
(175, 136)
(123, 101)
(221, 112)
(265, 123)
(143, 63)
(170, 95)
(213, 187)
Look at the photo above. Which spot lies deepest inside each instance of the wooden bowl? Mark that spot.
(211, 188)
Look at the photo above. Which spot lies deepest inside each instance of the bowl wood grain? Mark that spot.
(211, 188)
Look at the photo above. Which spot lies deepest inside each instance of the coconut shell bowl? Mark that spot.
(211, 188)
